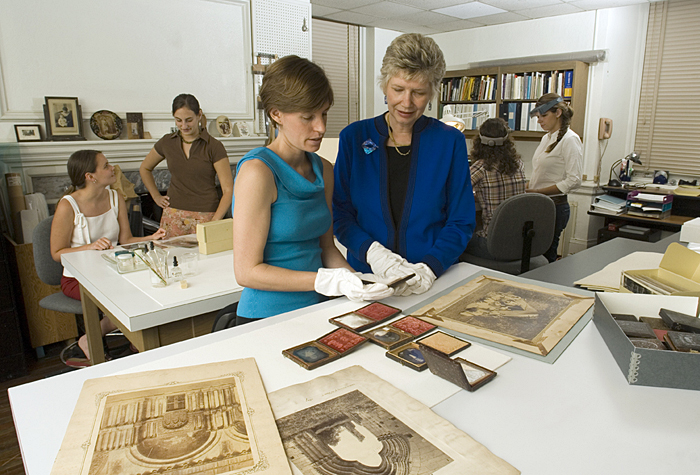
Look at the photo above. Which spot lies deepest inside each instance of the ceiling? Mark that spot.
(438, 16)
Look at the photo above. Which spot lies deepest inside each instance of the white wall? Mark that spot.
(125, 56)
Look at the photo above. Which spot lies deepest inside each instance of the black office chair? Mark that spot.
(226, 318)
(520, 231)
(50, 271)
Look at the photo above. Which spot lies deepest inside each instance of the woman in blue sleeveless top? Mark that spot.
(284, 253)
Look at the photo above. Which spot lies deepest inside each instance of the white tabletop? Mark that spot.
(137, 305)
(576, 416)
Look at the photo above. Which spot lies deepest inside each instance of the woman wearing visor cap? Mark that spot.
(497, 174)
(558, 161)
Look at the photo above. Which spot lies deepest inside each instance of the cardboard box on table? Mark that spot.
(215, 236)
(690, 231)
(679, 269)
(642, 366)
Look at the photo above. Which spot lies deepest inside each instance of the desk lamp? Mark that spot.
(455, 119)
(632, 157)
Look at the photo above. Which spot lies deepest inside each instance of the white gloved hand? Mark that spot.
(423, 281)
(385, 264)
(341, 281)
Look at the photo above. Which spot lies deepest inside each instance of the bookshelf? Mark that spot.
(511, 91)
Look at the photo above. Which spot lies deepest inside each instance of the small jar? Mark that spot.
(125, 262)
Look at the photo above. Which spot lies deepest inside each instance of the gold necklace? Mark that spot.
(185, 141)
(391, 136)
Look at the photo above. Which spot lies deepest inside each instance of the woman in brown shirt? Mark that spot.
(194, 159)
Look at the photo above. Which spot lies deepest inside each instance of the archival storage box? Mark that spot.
(690, 231)
(642, 366)
(215, 236)
(677, 274)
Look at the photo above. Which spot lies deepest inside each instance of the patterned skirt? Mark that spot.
(178, 222)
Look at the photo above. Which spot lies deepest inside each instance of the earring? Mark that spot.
(430, 105)
(94, 181)
(384, 99)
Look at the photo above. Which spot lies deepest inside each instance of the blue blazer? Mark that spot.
(438, 215)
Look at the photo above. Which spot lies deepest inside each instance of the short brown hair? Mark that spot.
(294, 84)
(416, 57)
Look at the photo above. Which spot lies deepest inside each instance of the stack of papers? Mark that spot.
(609, 204)
(608, 279)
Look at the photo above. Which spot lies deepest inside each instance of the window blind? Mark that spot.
(668, 123)
(336, 49)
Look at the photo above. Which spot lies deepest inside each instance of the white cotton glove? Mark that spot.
(423, 281)
(385, 264)
(341, 281)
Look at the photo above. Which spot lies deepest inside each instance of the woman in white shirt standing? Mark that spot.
(558, 161)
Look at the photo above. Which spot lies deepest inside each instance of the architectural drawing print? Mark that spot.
(517, 314)
(210, 419)
(189, 429)
(353, 434)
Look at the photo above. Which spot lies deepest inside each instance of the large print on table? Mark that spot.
(197, 421)
(517, 314)
(354, 422)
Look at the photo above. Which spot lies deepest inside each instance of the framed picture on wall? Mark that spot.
(63, 118)
(28, 133)
(134, 125)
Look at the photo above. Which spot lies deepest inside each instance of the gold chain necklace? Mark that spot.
(391, 136)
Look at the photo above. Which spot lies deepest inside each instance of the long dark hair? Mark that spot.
(502, 158)
(80, 163)
(186, 100)
(566, 113)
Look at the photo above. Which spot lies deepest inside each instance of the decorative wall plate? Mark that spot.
(106, 125)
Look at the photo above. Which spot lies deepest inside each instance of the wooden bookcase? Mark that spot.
(577, 100)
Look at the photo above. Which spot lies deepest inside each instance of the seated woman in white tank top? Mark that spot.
(90, 216)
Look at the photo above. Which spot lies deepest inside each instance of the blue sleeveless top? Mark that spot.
(298, 219)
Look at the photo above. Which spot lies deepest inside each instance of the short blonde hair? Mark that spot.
(415, 57)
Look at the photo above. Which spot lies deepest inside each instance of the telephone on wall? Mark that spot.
(604, 128)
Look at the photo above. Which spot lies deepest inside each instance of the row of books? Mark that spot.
(473, 123)
(517, 114)
(468, 88)
(524, 86)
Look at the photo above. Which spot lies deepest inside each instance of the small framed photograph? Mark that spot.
(353, 321)
(329, 347)
(63, 118)
(444, 343)
(476, 375)
(378, 311)
(388, 337)
(134, 125)
(28, 133)
(408, 355)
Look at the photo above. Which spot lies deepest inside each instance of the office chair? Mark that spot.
(521, 230)
(50, 271)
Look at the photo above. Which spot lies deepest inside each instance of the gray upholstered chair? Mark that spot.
(520, 231)
(50, 271)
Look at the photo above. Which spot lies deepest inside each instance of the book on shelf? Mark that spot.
(568, 84)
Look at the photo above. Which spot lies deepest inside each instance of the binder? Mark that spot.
(512, 113)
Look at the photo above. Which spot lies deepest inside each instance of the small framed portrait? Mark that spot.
(388, 337)
(63, 118)
(28, 133)
(134, 125)
(444, 343)
(353, 321)
(408, 355)
(106, 125)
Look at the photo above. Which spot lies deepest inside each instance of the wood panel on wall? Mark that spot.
(45, 326)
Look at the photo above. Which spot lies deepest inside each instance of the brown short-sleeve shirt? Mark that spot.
(192, 185)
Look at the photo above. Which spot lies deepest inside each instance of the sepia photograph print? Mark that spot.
(353, 422)
(515, 314)
(28, 133)
(201, 420)
(63, 118)
(134, 125)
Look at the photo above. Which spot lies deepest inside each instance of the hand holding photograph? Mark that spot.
(512, 313)
(354, 422)
(197, 420)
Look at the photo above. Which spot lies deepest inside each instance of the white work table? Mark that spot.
(151, 317)
(576, 416)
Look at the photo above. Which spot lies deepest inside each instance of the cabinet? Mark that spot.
(511, 92)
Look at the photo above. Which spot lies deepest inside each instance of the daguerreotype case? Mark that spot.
(329, 347)
(444, 343)
(399, 332)
(366, 317)
(463, 373)
(682, 341)
(408, 355)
